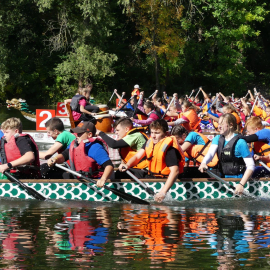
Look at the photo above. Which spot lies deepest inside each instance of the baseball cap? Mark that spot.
(136, 86)
(84, 126)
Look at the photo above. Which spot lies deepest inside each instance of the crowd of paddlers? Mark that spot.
(160, 137)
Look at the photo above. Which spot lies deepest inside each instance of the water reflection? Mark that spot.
(120, 236)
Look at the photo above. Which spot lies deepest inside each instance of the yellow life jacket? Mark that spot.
(155, 155)
(127, 153)
(194, 120)
(198, 152)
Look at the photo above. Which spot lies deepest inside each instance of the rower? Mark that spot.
(18, 151)
(149, 109)
(259, 137)
(55, 129)
(87, 154)
(235, 160)
(195, 146)
(164, 156)
(188, 118)
(130, 140)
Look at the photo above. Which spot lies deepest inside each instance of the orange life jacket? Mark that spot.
(198, 152)
(127, 153)
(194, 120)
(258, 111)
(261, 149)
(155, 155)
(238, 119)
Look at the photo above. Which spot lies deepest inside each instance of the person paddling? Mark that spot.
(164, 156)
(55, 129)
(87, 154)
(235, 160)
(130, 140)
(19, 151)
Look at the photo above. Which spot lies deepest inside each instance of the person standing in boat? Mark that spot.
(55, 129)
(130, 140)
(164, 156)
(235, 160)
(19, 152)
(136, 91)
(87, 154)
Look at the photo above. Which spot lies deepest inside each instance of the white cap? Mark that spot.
(136, 86)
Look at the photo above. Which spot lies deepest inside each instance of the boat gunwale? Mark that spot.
(36, 181)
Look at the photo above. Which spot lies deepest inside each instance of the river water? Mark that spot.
(200, 234)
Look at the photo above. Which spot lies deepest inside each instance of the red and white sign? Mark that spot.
(42, 116)
(61, 109)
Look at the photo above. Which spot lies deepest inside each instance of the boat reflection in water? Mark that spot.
(217, 234)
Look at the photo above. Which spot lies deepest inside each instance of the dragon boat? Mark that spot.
(183, 189)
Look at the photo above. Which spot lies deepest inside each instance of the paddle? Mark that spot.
(148, 190)
(191, 93)
(200, 88)
(168, 107)
(111, 98)
(156, 91)
(224, 182)
(264, 165)
(119, 193)
(105, 112)
(119, 109)
(135, 108)
(120, 100)
(253, 106)
(30, 190)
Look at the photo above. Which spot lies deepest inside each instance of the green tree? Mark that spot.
(220, 35)
(159, 25)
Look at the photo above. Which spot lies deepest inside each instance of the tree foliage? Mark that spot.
(48, 47)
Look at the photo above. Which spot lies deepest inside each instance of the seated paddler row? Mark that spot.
(157, 153)
(162, 155)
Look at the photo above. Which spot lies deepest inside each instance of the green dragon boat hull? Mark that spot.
(180, 191)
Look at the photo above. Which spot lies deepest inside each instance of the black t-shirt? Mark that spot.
(172, 156)
(26, 145)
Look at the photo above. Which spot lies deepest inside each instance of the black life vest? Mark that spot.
(74, 104)
(229, 164)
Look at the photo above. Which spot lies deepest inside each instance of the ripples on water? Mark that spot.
(206, 234)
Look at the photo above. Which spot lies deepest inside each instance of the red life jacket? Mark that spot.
(13, 152)
(81, 161)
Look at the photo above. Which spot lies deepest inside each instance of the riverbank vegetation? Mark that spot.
(49, 47)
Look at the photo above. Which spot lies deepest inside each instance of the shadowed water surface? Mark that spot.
(216, 234)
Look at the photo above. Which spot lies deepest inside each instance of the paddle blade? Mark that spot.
(30, 190)
(150, 191)
(119, 193)
(127, 196)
